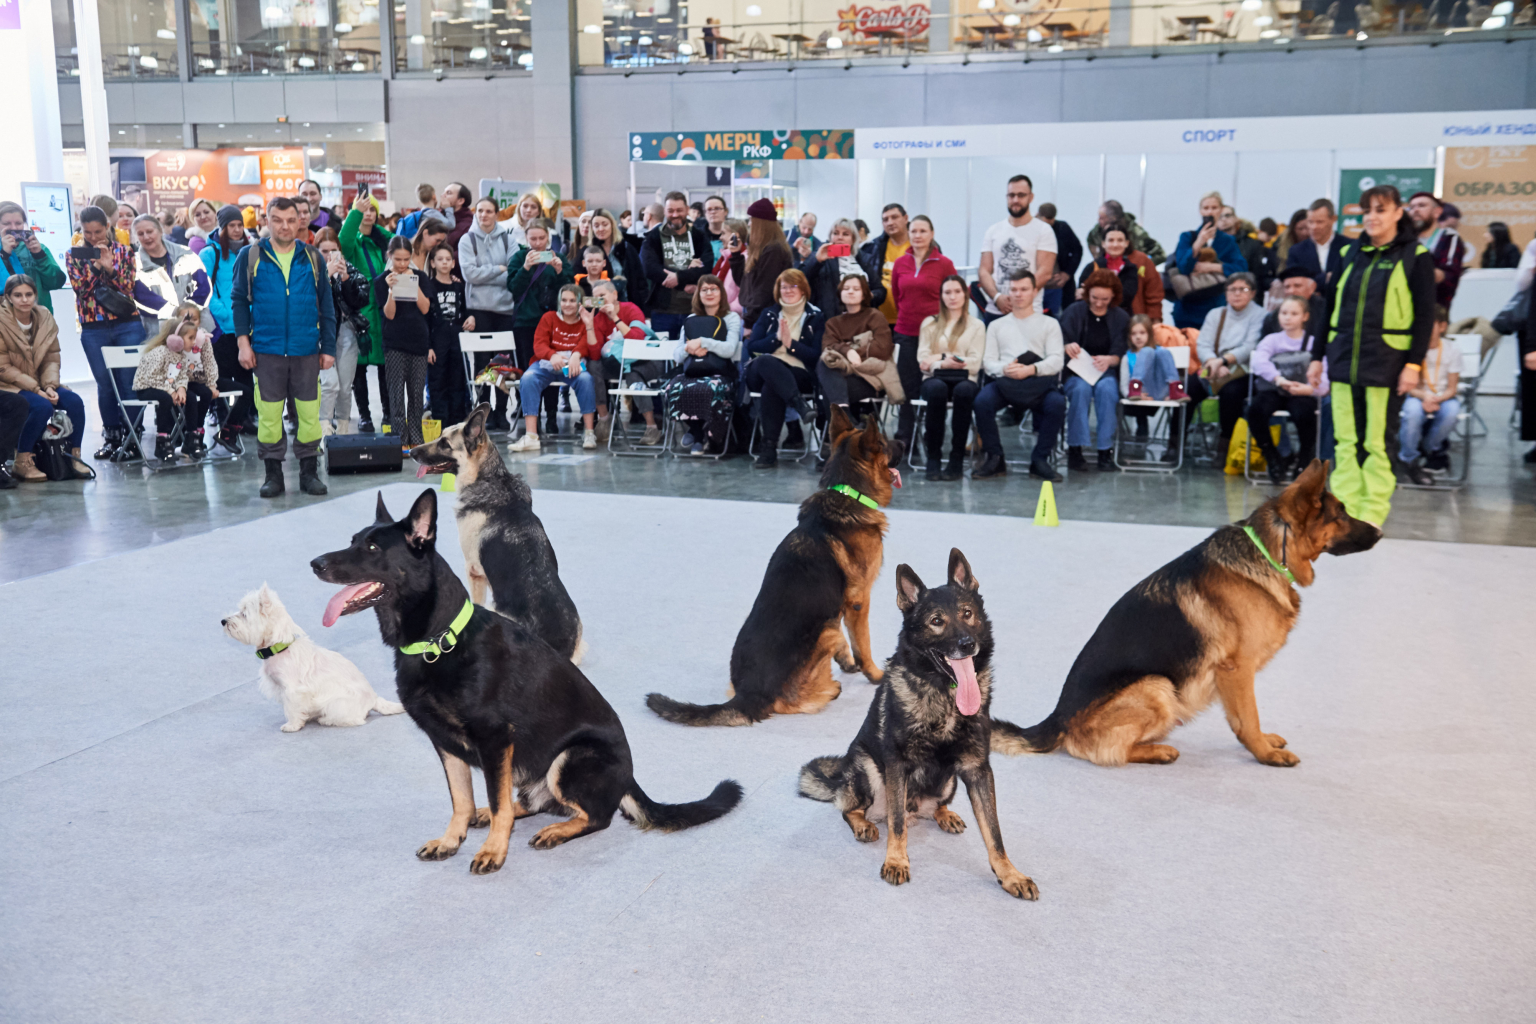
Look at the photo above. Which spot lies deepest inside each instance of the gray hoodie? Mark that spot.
(483, 261)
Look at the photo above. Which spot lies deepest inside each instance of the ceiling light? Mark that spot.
(526, 60)
(686, 49)
(1361, 36)
(418, 39)
(986, 5)
(645, 40)
(221, 126)
(74, 72)
(834, 43)
(148, 62)
(1010, 20)
(121, 132)
(357, 66)
(592, 30)
(477, 53)
(222, 71)
(663, 21)
(754, 11)
(1283, 39)
(306, 62)
(342, 28)
(1497, 21)
(317, 151)
(1506, 7)
(204, 62)
(165, 33)
(1263, 20)
(1269, 33)
(1253, 5)
(1054, 48)
(1033, 35)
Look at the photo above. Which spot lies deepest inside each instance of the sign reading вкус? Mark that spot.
(829, 144)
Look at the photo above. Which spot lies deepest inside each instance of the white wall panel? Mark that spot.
(1122, 180)
(1175, 183)
(1278, 184)
(1078, 190)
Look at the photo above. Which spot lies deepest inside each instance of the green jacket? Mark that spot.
(366, 253)
(1383, 307)
(536, 291)
(1140, 241)
(41, 268)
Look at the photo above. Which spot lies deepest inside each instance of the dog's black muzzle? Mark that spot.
(1362, 536)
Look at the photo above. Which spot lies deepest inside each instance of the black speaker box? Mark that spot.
(363, 453)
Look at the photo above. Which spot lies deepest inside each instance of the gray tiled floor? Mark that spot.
(49, 526)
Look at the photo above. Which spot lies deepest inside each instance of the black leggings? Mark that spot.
(780, 385)
(360, 393)
(937, 393)
(1303, 410)
(911, 382)
(234, 377)
(194, 411)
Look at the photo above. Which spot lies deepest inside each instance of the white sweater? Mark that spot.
(1010, 337)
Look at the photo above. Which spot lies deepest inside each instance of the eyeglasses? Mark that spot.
(1238, 288)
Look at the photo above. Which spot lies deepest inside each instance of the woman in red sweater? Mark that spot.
(915, 282)
(565, 348)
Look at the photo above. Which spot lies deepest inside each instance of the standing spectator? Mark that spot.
(349, 294)
(1321, 251)
(1500, 252)
(29, 368)
(1096, 327)
(1444, 244)
(1298, 230)
(878, 256)
(22, 252)
(949, 354)
(363, 241)
(1069, 256)
(485, 259)
(1261, 262)
(674, 258)
(627, 222)
(1527, 395)
(1280, 382)
(103, 285)
(430, 234)
(1141, 286)
(712, 226)
(863, 230)
(565, 347)
(426, 195)
(126, 215)
(528, 210)
(458, 204)
(1433, 400)
(1024, 357)
(181, 220)
(757, 269)
(1226, 342)
(535, 282)
(1383, 310)
(1190, 311)
(168, 275)
(1018, 242)
(205, 224)
(784, 345)
(218, 258)
(594, 268)
(286, 323)
(407, 341)
(856, 348)
(449, 314)
(827, 272)
(319, 217)
(1299, 282)
(728, 266)
(1113, 212)
(695, 214)
(915, 283)
(305, 233)
(623, 255)
(804, 232)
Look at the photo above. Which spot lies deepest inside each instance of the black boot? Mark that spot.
(1418, 474)
(7, 482)
(992, 466)
(309, 477)
(273, 486)
(1075, 458)
(365, 425)
(164, 451)
(934, 470)
(956, 468)
(794, 436)
(1106, 460)
(111, 440)
(1274, 465)
(1043, 471)
(127, 451)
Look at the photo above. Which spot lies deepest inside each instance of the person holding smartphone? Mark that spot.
(101, 271)
(535, 280)
(1190, 311)
(404, 302)
(826, 268)
(363, 241)
(22, 252)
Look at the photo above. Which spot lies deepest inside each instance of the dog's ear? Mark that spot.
(1304, 497)
(841, 424)
(871, 438)
(422, 520)
(264, 596)
(380, 513)
(909, 589)
(960, 572)
(474, 427)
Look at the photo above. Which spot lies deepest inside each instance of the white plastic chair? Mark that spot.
(654, 349)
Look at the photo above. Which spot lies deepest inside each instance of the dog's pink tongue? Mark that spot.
(895, 477)
(338, 603)
(967, 693)
(421, 471)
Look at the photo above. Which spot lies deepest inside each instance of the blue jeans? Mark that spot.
(40, 411)
(1154, 368)
(1412, 429)
(1104, 396)
(542, 373)
(1051, 301)
(93, 338)
(1050, 409)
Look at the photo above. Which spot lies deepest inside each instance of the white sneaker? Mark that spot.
(326, 430)
(346, 426)
(526, 443)
(652, 435)
(589, 439)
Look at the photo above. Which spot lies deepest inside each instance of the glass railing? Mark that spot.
(463, 35)
(328, 57)
(140, 61)
(634, 40)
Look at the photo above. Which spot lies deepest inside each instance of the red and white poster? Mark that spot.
(378, 184)
(907, 22)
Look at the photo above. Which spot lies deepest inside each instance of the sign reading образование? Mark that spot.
(825, 144)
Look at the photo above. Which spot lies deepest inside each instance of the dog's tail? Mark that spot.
(648, 814)
(1042, 738)
(820, 777)
(386, 707)
(683, 713)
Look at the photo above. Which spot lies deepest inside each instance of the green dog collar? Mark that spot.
(1282, 570)
(266, 652)
(862, 499)
(447, 640)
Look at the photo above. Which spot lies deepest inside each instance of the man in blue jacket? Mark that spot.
(286, 323)
(1190, 311)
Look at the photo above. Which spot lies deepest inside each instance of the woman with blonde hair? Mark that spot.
(527, 210)
(205, 225)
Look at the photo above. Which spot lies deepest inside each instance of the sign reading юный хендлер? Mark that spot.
(827, 144)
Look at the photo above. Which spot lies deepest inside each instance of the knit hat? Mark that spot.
(229, 215)
(763, 210)
(248, 215)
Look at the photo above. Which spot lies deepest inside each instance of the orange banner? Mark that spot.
(177, 178)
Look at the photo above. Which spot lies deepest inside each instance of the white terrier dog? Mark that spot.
(313, 683)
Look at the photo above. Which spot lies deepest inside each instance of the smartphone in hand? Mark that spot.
(839, 250)
(85, 252)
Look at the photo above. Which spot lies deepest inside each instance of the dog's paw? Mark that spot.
(487, 862)
(874, 675)
(846, 661)
(1021, 886)
(864, 831)
(292, 726)
(896, 872)
(1274, 739)
(437, 849)
(550, 836)
(481, 819)
(949, 821)
(1279, 758)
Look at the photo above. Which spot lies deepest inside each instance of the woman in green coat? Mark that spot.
(363, 243)
(22, 253)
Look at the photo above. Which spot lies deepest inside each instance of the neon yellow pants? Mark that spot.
(279, 379)
(1363, 479)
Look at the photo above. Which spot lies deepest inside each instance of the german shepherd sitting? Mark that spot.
(1198, 628)
(504, 542)
(493, 695)
(818, 579)
(928, 723)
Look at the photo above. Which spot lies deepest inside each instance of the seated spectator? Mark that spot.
(1434, 399)
(1023, 358)
(407, 341)
(858, 358)
(565, 347)
(594, 268)
(613, 321)
(1153, 367)
(1298, 281)
(1227, 339)
(29, 369)
(827, 272)
(14, 411)
(1280, 364)
(1141, 285)
(784, 345)
(535, 278)
(949, 351)
(1190, 309)
(177, 370)
(22, 252)
(1500, 251)
(168, 275)
(1095, 327)
(702, 392)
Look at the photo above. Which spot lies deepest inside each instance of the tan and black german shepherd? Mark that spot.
(817, 580)
(1199, 628)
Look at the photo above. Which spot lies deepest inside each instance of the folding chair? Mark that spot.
(221, 408)
(1164, 419)
(1284, 417)
(1475, 364)
(126, 357)
(471, 344)
(655, 349)
(809, 431)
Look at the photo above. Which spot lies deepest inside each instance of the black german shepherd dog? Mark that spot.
(492, 695)
(929, 722)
